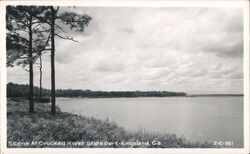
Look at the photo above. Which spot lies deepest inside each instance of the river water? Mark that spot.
(211, 119)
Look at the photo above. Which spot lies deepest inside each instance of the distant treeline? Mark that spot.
(21, 90)
(215, 95)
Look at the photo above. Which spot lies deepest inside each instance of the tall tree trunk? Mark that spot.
(41, 75)
(53, 99)
(31, 107)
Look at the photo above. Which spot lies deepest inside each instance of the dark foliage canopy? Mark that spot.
(16, 90)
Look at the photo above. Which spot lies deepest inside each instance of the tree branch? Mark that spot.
(66, 38)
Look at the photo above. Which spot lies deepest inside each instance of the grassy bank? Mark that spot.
(41, 129)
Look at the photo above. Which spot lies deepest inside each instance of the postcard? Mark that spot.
(125, 76)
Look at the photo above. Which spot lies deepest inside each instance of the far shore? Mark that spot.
(214, 95)
(193, 95)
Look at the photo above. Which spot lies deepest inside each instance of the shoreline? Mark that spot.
(75, 131)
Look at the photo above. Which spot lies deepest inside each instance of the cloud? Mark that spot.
(127, 30)
(196, 50)
(228, 49)
(106, 65)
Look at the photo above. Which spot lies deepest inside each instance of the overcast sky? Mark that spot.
(194, 50)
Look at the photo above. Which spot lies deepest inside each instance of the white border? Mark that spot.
(128, 3)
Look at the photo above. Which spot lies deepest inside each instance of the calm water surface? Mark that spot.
(196, 118)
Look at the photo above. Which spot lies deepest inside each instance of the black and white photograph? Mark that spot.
(122, 77)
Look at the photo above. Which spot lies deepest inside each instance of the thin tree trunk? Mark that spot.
(31, 103)
(41, 66)
(53, 100)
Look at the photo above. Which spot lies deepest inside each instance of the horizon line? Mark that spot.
(187, 94)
